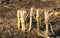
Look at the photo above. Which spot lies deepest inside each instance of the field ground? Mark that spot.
(8, 20)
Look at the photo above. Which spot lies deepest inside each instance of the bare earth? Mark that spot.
(8, 18)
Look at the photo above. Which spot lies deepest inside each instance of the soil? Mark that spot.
(8, 18)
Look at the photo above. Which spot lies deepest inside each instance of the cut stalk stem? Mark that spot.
(37, 18)
(38, 21)
(18, 11)
(46, 22)
(31, 14)
(22, 12)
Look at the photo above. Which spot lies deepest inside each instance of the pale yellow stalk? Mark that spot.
(37, 18)
(31, 14)
(22, 14)
(46, 22)
(18, 17)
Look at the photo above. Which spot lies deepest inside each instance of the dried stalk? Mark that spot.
(22, 12)
(18, 11)
(31, 14)
(38, 21)
(46, 22)
(37, 18)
